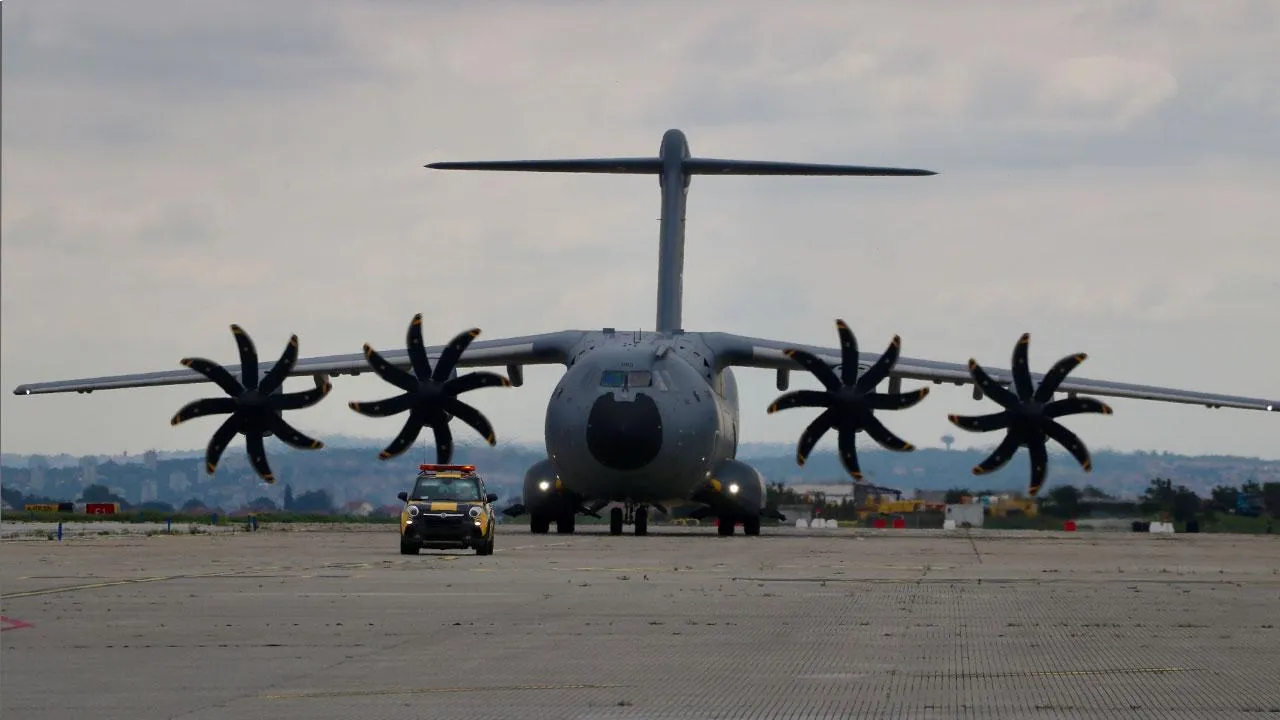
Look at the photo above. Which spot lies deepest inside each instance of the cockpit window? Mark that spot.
(626, 378)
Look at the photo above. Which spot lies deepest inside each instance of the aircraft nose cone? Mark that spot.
(624, 435)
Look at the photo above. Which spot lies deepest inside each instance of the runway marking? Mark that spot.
(424, 691)
(13, 624)
(129, 581)
(1070, 673)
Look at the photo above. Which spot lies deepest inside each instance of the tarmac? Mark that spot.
(332, 622)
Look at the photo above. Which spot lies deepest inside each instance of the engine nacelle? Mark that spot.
(734, 486)
(541, 485)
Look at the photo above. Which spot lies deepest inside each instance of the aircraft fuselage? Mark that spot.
(640, 417)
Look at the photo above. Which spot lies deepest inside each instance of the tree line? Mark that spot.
(1162, 498)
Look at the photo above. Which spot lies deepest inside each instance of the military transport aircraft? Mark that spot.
(649, 419)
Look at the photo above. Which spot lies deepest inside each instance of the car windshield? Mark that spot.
(447, 489)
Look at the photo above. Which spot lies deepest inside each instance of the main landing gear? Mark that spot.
(540, 522)
(750, 526)
(633, 514)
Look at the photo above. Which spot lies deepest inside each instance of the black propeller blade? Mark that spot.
(850, 401)
(430, 396)
(255, 405)
(1029, 415)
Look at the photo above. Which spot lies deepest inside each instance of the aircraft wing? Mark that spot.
(737, 350)
(542, 349)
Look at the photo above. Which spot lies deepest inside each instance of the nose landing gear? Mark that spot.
(631, 514)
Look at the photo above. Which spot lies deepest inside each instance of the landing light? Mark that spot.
(544, 485)
(733, 487)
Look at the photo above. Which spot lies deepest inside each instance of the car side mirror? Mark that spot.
(491, 497)
(404, 496)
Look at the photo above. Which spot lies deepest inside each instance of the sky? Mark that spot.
(1108, 176)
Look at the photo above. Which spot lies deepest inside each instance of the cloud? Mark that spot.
(1107, 183)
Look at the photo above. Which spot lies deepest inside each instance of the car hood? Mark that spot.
(445, 506)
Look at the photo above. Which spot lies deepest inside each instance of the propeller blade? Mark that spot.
(222, 437)
(475, 381)
(1074, 406)
(990, 387)
(848, 353)
(800, 398)
(417, 350)
(452, 352)
(216, 373)
(201, 408)
(444, 442)
(402, 441)
(880, 370)
(813, 433)
(821, 370)
(389, 372)
(998, 457)
(258, 457)
(248, 357)
(981, 423)
(1071, 442)
(1021, 372)
(849, 452)
(383, 408)
(1039, 463)
(301, 399)
(472, 417)
(899, 401)
(1052, 379)
(887, 439)
(290, 435)
(278, 372)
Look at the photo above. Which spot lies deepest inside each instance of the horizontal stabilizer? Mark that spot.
(624, 166)
(714, 166)
(691, 166)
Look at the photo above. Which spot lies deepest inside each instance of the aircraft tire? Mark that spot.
(564, 524)
(642, 521)
(751, 526)
(539, 523)
(725, 527)
(615, 521)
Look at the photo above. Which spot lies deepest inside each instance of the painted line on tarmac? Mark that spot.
(9, 623)
(425, 691)
(131, 581)
(1071, 673)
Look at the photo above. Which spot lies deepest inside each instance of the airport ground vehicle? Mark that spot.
(448, 507)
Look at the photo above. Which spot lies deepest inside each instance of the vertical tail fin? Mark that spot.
(675, 167)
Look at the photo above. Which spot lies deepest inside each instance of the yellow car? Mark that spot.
(448, 508)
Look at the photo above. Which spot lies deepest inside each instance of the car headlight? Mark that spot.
(413, 511)
(474, 512)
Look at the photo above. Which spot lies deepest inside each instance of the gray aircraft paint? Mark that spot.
(690, 455)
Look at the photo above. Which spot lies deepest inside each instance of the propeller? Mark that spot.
(849, 400)
(255, 404)
(1029, 415)
(430, 396)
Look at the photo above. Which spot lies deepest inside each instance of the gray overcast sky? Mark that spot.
(1109, 183)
